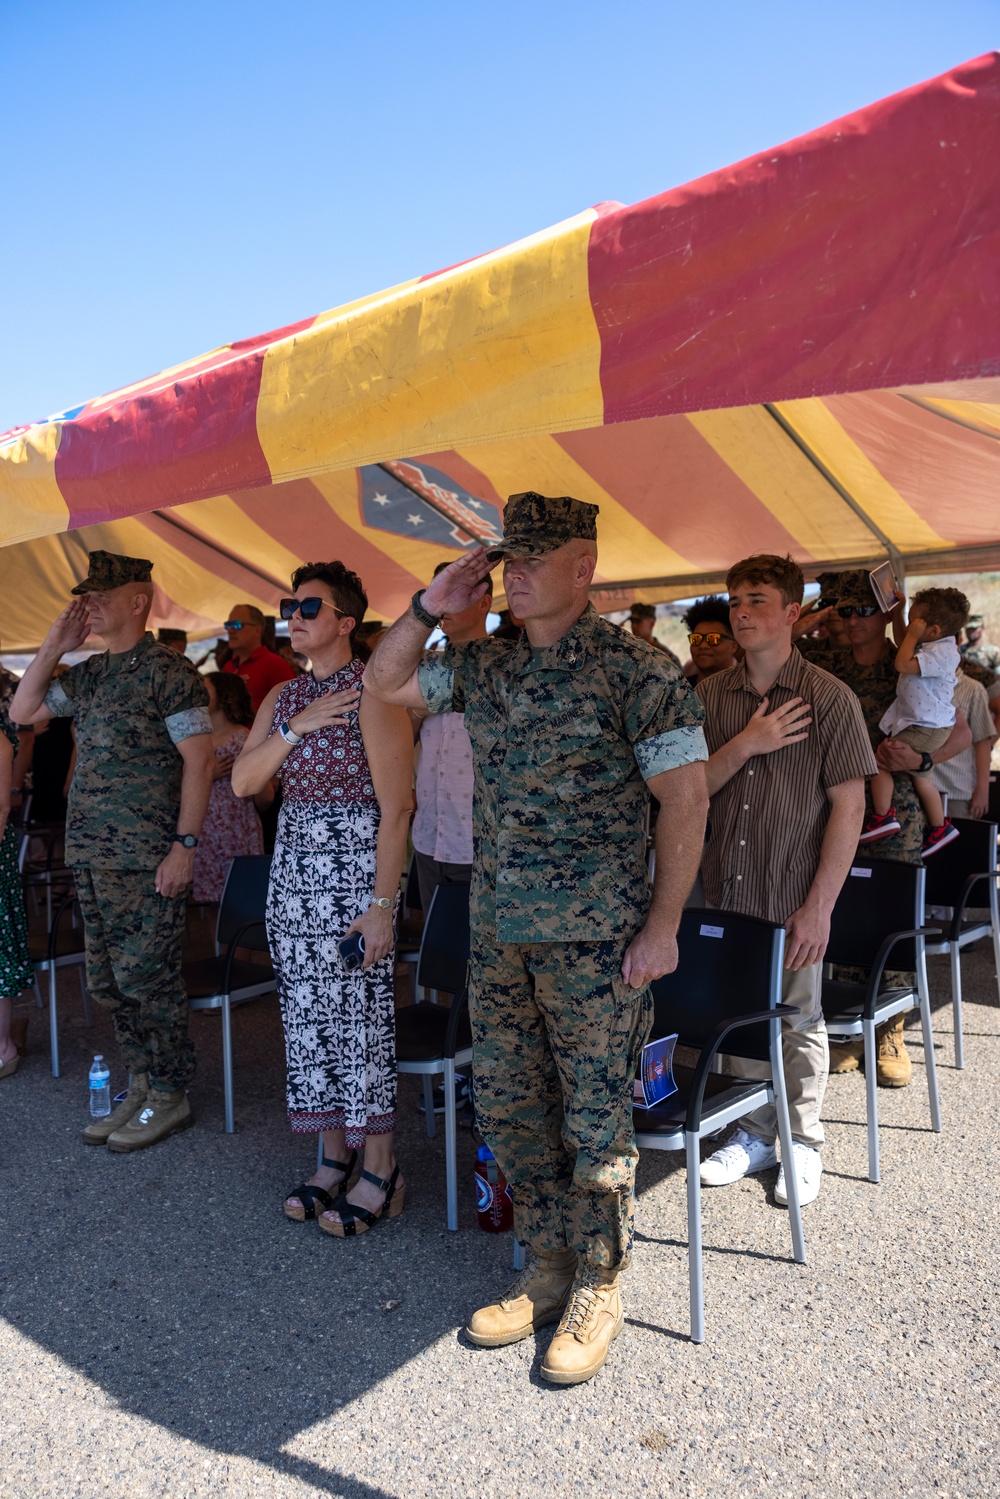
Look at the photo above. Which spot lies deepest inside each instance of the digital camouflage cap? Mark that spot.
(108, 570)
(534, 524)
(855, 588)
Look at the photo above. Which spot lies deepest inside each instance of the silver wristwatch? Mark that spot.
(381, 900)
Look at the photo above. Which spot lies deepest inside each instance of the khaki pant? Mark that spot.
(806, 1052)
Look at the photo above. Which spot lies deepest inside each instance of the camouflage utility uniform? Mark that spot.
(984, 654)
(564, 739)
(131, 710)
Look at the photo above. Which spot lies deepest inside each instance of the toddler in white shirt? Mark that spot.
(923, 713)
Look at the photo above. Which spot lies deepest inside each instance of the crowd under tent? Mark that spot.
(798, 353)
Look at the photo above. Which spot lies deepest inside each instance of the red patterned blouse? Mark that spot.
(330, 765)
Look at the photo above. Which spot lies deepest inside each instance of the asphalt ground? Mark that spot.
(164, 1332)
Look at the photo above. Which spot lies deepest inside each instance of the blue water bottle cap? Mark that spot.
(484, 1153)
(99, 1057)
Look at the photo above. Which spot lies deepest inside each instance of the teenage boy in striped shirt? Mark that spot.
(788, 758)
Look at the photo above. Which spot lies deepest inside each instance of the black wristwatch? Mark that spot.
(187, 840)
(926, 762)
(431, 621)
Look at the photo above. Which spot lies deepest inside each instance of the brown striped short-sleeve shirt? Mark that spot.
(767, 822)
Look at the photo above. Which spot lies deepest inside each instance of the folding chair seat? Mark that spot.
(963, 875)
(221, 982)
(880, 912)
(723, 997)
(62, 947)
(433, 1039)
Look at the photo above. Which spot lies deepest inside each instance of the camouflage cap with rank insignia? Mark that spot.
(534, 524)
(108, 570)
(855, 588)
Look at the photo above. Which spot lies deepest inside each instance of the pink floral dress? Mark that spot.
(231, 827)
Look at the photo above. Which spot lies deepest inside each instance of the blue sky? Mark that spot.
(178, 176)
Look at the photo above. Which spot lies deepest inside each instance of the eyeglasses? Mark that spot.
(309, 607)
(863, 611)
(711, 638)
(238, 624)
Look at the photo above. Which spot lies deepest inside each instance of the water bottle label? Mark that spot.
(99, 1082)
(484, 1194)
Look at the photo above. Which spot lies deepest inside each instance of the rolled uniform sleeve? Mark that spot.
(664, 722)
(440, 679)
(182, 700)
(57, 702)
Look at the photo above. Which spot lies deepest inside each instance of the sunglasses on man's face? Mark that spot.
(309, 607)
(711, 638)
(238, 624)
(863, 611)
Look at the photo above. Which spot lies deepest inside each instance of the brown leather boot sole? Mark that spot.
(517, 1335)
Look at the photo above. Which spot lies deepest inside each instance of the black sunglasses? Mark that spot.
(310, 607)
(863, 611)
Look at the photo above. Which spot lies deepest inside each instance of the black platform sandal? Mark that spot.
(309, 1196)
(356, 1220)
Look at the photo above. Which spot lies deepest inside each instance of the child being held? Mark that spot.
(923, 713)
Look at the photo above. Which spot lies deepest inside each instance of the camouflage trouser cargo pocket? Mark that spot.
(133, 939)
(557, 1037)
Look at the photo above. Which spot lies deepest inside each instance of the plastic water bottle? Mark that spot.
(100, 1089)
(493, 1202)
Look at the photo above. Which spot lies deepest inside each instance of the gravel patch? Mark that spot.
(164, 1332)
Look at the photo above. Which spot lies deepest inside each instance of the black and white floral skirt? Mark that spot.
(340, 1038)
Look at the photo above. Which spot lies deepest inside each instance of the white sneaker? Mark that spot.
(808, 1170)
(742, 1156)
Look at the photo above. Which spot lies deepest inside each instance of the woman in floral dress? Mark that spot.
(16, 972)
(231, 825)
(346, 765)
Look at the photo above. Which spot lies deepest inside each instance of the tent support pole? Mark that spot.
(834, 483)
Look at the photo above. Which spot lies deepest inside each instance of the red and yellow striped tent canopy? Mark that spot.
(799, 353)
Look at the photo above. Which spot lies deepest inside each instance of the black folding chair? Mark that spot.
(953, 875)
(432, 1039)
(724, 996)
(223, 981)
(880, 912)
(63, 947)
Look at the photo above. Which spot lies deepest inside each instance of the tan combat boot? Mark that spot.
(592, 1320)
(536, 1298)
(846, 1057)
(98, 1130)
(163, 1113)
(893, 1068)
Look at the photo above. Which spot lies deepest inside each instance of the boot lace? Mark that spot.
(521, 1282)
(581, 1309)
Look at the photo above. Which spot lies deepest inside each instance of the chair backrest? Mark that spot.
(244, 899)
(879, 897)
(974, 851)
(444, 946)
(412, 900)
(728, 966)
(993, 805)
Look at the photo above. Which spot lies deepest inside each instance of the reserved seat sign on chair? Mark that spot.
(723, 997)
(879, 915)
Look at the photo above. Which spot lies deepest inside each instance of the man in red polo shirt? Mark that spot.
(260, 668)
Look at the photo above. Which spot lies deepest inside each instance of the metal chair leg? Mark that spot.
(520, 1254)
(53, 1020)
(927, 1031)
(451, 1142)
(788, 1160)
(871, 1098)
(696, 1289)
(955, 955)
(227, 1062)
(430, 1123)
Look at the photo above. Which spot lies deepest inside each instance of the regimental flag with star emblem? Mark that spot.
(412, 499)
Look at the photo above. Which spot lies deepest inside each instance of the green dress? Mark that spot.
(16, 972)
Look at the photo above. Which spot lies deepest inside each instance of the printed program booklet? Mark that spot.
(656, 1073)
